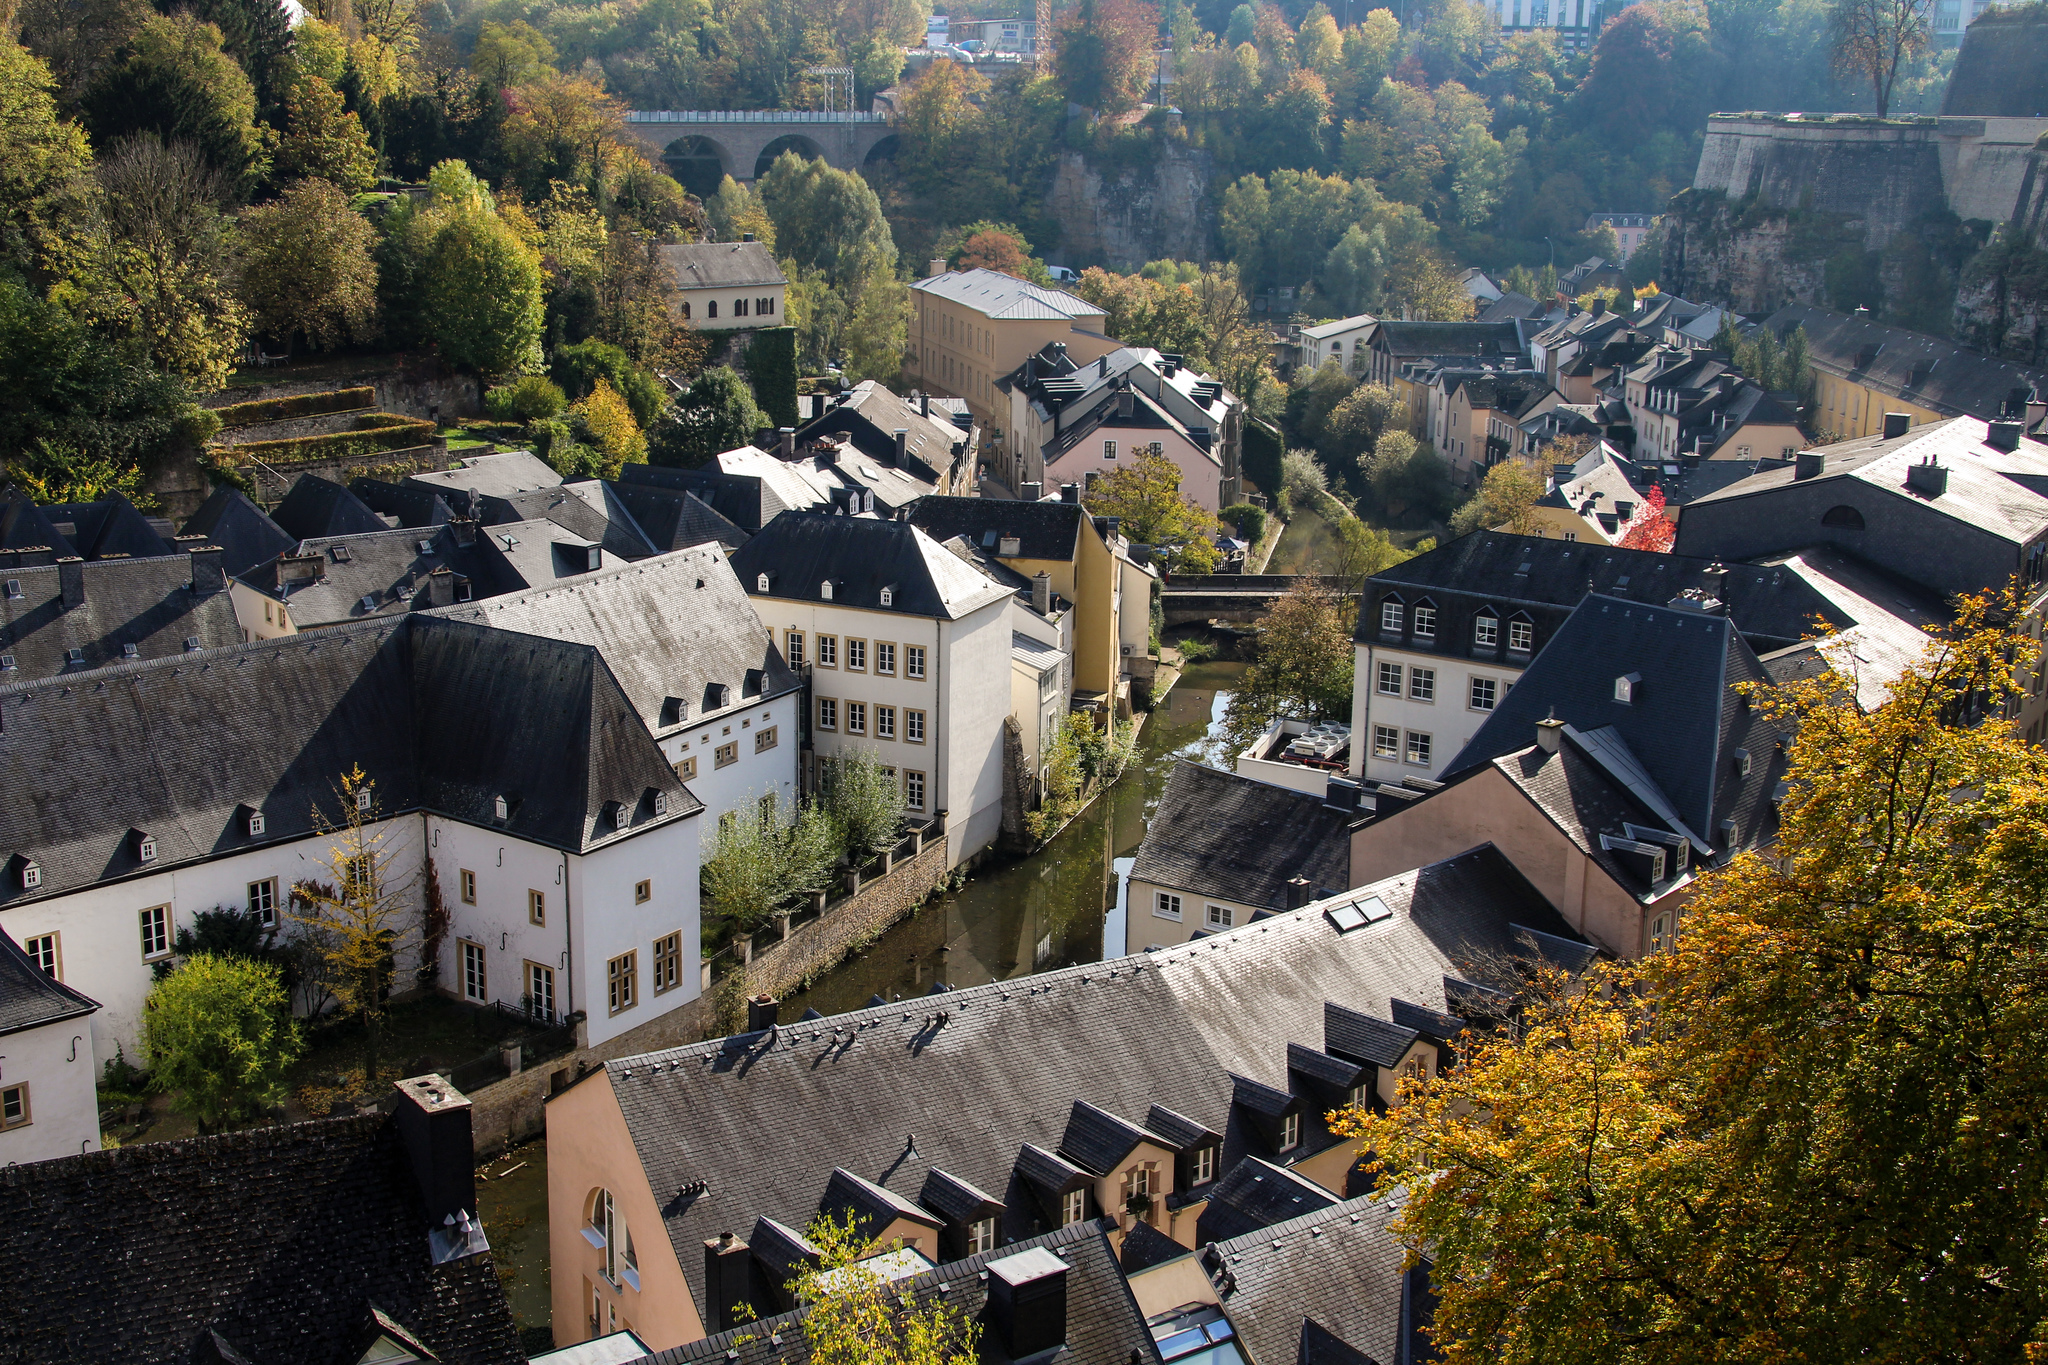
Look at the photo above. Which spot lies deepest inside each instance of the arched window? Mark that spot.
(686, 312)
(711, 308)
(604, 1231)
(1842, 518)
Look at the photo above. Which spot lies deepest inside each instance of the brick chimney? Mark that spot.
(1041, 593)
(1027, 1302)
(208, 577)
(902, 446)
(71, 581)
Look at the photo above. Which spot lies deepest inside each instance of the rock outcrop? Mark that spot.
(1124, 218)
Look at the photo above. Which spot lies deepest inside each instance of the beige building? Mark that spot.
(727, 286)
(974, 326)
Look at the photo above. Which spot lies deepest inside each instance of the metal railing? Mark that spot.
(749, 116)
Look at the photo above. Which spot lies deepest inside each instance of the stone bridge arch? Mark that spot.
(738, 139)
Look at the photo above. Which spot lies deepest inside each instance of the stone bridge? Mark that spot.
(1236, 597)
(741, 141)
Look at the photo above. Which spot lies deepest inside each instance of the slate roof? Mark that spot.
(147, 603)
(1353, 1033)
(1892, 621)
(797, 485)
(496, 475)
(111, 526)
(1932, 372)
(1682, 727)
(670, 629)
(415, 505)
(871, 1207)
(585, 509)
(869, 415)
(246, 536)
(1322, 331)
(673, 520)
(1511, 305)
(388, 566)
(999, 296)
(1011, 1057)
(1104, 1324)
(862, 556)
(1338, 1267)
(318, 508)
(721, 265)
(953, 1199)
(1772, 607)
(325, 1226)
(1257, 1194)
(1401, 339)
(741, 499)
(1096, 1140)
(442, 715)
(1178, 1130)
(25, 526)
(31, 998)
(1044, 530)
(1218, 834)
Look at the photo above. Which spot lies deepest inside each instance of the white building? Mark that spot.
(48, 1102)
(909, 651)
(1346, 341)
(727, 286)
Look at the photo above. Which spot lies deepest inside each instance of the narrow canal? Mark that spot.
(1057, 908)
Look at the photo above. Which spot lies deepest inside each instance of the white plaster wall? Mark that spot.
(63, 1101)
(1134, 605)
(605, 920)
(1449, 721)
(506, 869)
(754, 775)
(974, 680)
(724, 296)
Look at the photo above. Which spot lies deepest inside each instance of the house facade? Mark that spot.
(972, 327)
(1346, 341)
(49, 1104)
(727, 286)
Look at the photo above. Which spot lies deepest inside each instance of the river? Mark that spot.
(1059, 907)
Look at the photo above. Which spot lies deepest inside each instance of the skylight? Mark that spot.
(1358, 914)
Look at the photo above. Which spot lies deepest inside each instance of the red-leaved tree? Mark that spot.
(1651, 528)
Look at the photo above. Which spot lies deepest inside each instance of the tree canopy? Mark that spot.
(218, 1035)
(1144, 493)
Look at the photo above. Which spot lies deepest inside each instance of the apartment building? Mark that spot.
(972, 327)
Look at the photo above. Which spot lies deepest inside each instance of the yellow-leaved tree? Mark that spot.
(1812, 1130)
(857, 1317)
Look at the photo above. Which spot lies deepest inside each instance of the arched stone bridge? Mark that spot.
(739, 140)
(1234, 596)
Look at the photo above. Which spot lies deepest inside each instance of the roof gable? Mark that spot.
(1218, 834)
(860, 556)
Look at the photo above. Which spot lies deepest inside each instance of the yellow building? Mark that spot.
(974, 326)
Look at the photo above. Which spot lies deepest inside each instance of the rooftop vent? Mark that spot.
(14, 589)
(75, 655)
(129, 651)
(342, 554)
(1010, 545)
(368, 602)
(1928, 477)
(2002, 435)
(1808, 464)
(7, 662)
(1897, 424)
(426, 547)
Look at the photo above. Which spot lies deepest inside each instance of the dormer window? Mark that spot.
(825, 590)
(362, 799)
(501, 808)
(1486, 631)
(31, 874)
(1391, 614)
(615, 814)
(1290, 1131)
(254, 823)
(661, 803)
(888, 597)
(1625, 688)
(1425, 621)
(145, 847)
(761, 583)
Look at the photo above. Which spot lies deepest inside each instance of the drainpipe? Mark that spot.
(569, 948)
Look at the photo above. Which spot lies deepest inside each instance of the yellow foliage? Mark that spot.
(610, 424)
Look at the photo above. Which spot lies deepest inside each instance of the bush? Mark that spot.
(529, 398)
(220, 1037)
(864, 799)
(1303, 479)
(389, 432)
(771, 371)
(1250, 521)
(302, 405)
(579, 369)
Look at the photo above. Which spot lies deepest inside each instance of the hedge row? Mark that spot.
(302, 405)
(378, 432)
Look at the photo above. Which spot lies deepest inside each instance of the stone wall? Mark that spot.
(273, 481)
(1160, 211)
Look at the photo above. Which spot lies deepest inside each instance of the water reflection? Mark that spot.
(1058, 907)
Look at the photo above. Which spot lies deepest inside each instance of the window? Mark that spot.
(795, 648)
(1660, 933)
(42, 950)
(888, 597)
(885, 653)
(1486, 631)
(828, 714)
(764, 306)
(1141, 1182)
(913, 726)
(1422, 684)
(1425, 623)
(885, 722)
(856, 653)
(828, 651)
(1521, 636)
(1416, 1068)
(1390, 617)
(1355, 1096)
(606, 1232)
(363, 799)
(622, 982)
(467, 881)
(156, 932)
(1156, 449)
(540, 991)
(1220, 917)
(725, 755)
(643, 892)
(1073, 1207)
(1390, 679)
(686, 312)
(536, 907)
(981, 1236)
(1386, 742)
(913, 789)
(765, 739)
(687, 770)
(13, 1107)
(1290, 1132)
(263, 901)
(474, 982)
(1571, 535)
(856, 718)
(668, 962)
(1202, 1166)
(1418, 748)
(1484, 692)
(1109, 450)
(739, 308)
(1165, 906)
(913, 661)
(711, 308)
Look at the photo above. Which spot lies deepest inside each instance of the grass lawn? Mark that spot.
(1308, 545)
(460, 438)
(431, 1033)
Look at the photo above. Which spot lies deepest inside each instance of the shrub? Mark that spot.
(529, 398)
(219, 1038)
(390, 432)
(1250, 521)
(1303, 479)
(579, 369)
(301, 405)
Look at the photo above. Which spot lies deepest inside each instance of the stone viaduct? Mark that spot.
(739, 139)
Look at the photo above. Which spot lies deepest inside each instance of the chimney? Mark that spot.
(464, 530)
(934, 268)
(761, 1012)
(746, 236)
(432, 1119)
(1897, 424)
(1297, 892)
(1808, 464)
(1927, 477)
(207, 575)
(788, 447)
(924, 405)
(441, 587)
(1124, 404)
(71, 581)
(1341, 793)
(1549, 731)
(1041, 593)
(1712, 577)
(1027, 1302)
(1031, 490)
(728, 1280)
(1998, 435)
(1102, 368)
(1070, 493)
(35, 557)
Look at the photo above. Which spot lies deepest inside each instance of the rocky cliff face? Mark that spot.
(1125, 218)
(1756, 257)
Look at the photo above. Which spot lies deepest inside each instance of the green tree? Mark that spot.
(179, 84)
(856, 1317)
(529, 398)
(1304, 663)
(219, 1036)
(47, 192)
(483, 294)
(1145, 494)
(1404, 472)
(761, 861)
(323, 139)
(865, 800)
(307, 267)
(1102, 53)
(1805, 1130)
(580, 368)
(1506, 501)
(1356, 424)
(717, 414)
(878, 333)
(827, 219)
(508, 55)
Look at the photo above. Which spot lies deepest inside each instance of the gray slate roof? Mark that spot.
(496, 475)
(721, 265)
(245, 535)
(147, 603)
(1449, 338)
(1257, 1194)
(111, 526)
(282, 1241)
(673, 519)
(1005, 1067)
(1934, 372)
(1044, 530)
(25, 526)
(1337, 1267)
(318, 508)
(31, 997)
(861, 556)
(996, 295)
(1218, 834)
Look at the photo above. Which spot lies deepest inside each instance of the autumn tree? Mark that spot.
(1304, 665)
(1807, 1131)
(856, 1317)
(1103, 53)
(219, 1037)
(1651, 528)
(1405, 473)
(1506, 501)
(323, 138)
(608, 423)
(1145, 494)
(1874, 38)
(358, 920)
(47, 192)
(307, 267)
